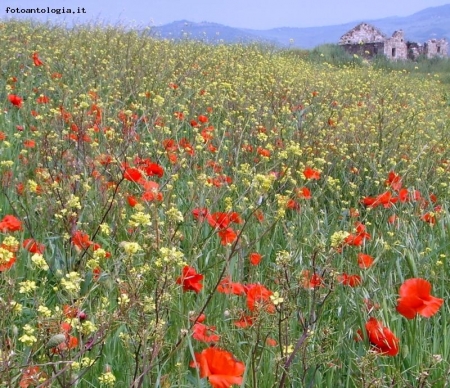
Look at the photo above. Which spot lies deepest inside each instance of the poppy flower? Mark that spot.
(10, 223)
(365, 261)
(29, 143)
(203, 333)
(415, 298)
(36, 60)
(190, 279)
(81, 240)
(310, 173)
(33, 376)
(255, 258)
(304, 193)
(7, 259)
(226, 286)
(220, 367)
(132, 174)
(394, 180)
(203, 119)
(244, 321)
(15, 100)
(227, 236)
(33, 246)
(309, 282)
(258, 295)
(200, 213)
(381, 338)
(349, 280)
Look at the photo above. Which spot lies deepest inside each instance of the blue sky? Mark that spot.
(257, 14)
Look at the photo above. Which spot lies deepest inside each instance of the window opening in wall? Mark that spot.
(393, 52)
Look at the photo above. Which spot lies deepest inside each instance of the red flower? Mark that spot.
(415, 299)
(226, 286)
(7, 264)
(394, 180)
(309, 173)
(202, 333)
(381, 338)
(15, 100)
(32, 376)
(200, 213)
(29, 143)
(304, 193)
(227, 236)
(255, 258)
(257, 294)
(132, 201)
(33, 246)
(244, 321)
(10, 223)
(365, 261)
(220, 367)
(81, 240)
(36, 60)
(190, 280)
(349, 280)
(309, 282)
(132, 174)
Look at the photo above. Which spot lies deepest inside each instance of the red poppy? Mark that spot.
(190, 279)
(203, 119)
(36, 60)
(43, 100)
(271, 342)
(309, 173)
(10, 223)
(200, 213)
(7, 264)
(258, 295)
(349, 280)
(220, 367)
(29, 143)
(255, 258)
(15, 100)
(227, 236)
(381, 338)
(226, 286)
(32, 376)
(415, 299)
(132, 174)
(81, 240)
(244, 321)
(309, 282)
(365, 261)
(33, 246)
(132, 201)
(394, 180)
(203, 333)
(304, 193)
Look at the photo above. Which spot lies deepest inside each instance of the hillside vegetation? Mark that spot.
(174, 214)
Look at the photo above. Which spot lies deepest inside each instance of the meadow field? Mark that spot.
(175, 214)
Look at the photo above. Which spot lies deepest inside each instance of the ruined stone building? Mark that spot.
(367, 41)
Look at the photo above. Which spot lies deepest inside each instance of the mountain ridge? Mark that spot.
(431, 22)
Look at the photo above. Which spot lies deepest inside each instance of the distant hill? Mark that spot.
(433, 22)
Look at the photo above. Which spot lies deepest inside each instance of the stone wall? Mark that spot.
(395, 48)
(367, 41)
(365, 50)
(362, 33)
(436, 48)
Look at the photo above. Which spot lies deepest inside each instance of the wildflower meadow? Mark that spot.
(178, 214)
